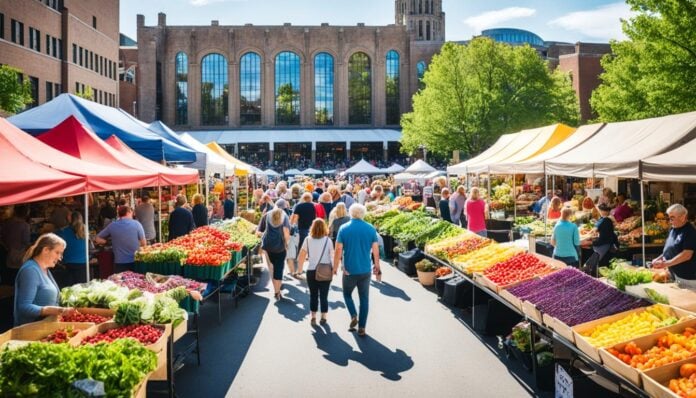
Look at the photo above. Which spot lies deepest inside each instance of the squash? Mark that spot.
(587, 203)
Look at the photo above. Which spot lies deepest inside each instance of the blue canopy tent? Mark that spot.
(104, 121)
(164, 131)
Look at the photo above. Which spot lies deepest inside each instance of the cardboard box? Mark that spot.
(655, 381)
(100, 311)
(160, 374)
(157, 346)
(36, 331)
(559, 327)
(180, 330)
(531, 311)
(512, 299)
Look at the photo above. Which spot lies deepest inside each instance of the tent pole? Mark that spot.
(514, 196)
(159, 219)
(642, 219)
(545, 215)
(132, 199)
(87, 236)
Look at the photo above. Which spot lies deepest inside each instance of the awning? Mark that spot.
(545, 138)
(22, 179)
(310, 171)
(296, 136)
(420, 167)
(214, 163)
(499, 145)
(163, 130)
(292, 172)
(394, 168)
(617, 149)
(240, 168)
(678, 165)
(362, 167)
(105, 121)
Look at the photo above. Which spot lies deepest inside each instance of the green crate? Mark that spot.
(236, 258)
(190, 304)
(171, 268)
(205, 272)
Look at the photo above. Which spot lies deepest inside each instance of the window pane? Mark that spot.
(181, 87)
(214, 90)
(323, 89)
(287, 88)
(359, 89)
(250, 89)
(420, 70)
(392, 88)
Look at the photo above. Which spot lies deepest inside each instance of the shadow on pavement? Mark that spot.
(390, 290)
(295, 303)
(336, 349)
(375, 356)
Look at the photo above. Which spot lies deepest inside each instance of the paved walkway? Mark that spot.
(415, 347)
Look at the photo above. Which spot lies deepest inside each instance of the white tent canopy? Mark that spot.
(292, 172)
(394, 168)
(330, 171)
(435, 173)
(521, 140)
(271, 173)
(214, 162)
(503, 141)
(311, 171)
(405, 176)
(542, 136)
(678, 165)
(362, 167)
(618, 148)
(420, 167)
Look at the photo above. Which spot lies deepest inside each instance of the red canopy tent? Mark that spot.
(168, 176)
(75, 139)
(22, 179)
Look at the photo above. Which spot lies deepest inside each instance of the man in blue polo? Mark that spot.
(356, 242)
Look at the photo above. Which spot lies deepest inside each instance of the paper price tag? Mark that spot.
(564, 383)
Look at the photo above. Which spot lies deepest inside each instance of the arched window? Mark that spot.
(181, 80)
(392, 87)
(287, 88)
(359, 89)
(323, 89)
(420, 72)
(250, 89)
(214, 90)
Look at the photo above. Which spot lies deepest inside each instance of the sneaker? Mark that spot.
(322, 321)
(313, 321)
(361, 332)
(353, 324)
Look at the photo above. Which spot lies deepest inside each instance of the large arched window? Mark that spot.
(359, 89)
(181, 88)
(420, 71)
(323, 89)
(392, 87)
(287, 88)
(214, 90)
(250, 89)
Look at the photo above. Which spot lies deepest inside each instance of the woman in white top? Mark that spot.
(317, 248)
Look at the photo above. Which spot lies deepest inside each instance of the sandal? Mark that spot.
(278, 296)
(322, 321)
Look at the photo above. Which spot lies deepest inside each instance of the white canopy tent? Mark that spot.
(521, 140)
(420, 167)
(678, 165)
(214, 162)
(292, 172)
(311, 171)
(394, 168)
(503, 141)
(362, 167)
(405, 177)
(330, 171)
(618, 148)
(271, 173)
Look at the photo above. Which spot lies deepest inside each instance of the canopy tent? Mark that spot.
(97, 177)
(500, 144)
(163, 130)
(292, 172)
(330, 171)
(167, 176)
(394, 168)
(240, 136)
(677, 165)
(22, 179)
(420, 167)
(435, 173)
(104, 121)
(310, 171)
(618, 148)
(214, 163)
(362, 167)
(545, 139)
(271, 173)
(240, 168)
(535, 164)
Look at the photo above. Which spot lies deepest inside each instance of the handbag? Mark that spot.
(324, 271)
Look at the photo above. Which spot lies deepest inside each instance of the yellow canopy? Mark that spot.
(559, 135)
(240, 168)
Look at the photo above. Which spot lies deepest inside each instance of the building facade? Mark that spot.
(62, 46)
(585, 67)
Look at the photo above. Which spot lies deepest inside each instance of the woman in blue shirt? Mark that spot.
(75, 256)
(566, 239)
(36, 292)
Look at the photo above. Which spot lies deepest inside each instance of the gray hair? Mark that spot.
(677, 208)
(357, 211)
(306, 197)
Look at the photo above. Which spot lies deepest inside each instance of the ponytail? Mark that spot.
(49, 241)
(78, 225)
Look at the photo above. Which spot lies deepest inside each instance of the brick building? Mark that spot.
(62, 46)
(584, 67)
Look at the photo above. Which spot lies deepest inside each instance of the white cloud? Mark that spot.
(601, 23)
(493, 18)
(201, 3)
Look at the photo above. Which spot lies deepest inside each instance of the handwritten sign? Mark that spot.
(564, 383)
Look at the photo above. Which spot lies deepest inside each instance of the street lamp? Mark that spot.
(425, 152)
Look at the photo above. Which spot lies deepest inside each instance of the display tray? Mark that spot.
(36, 331)
(644, 343)
(531, 311)
(559, 327)
(512, 299)
(655, 381)
(171, 268)
(593, 352)
(206, 272)
(157, 346)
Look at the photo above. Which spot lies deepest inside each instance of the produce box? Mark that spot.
(180, 330)
(559, 327)
(644, 343)
(170, 268)
(189, 304)
(156, 347)
(98, 311)
(516, 302)
(655, 381)
(140, 391)
(206, 272)
(678, 297)
(36, 331)
(531, 311)
(160, 374)
(593, 352)
(236, 258)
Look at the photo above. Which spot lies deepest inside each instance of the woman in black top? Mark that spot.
(200, 212)
(444, 205)
(605, 240)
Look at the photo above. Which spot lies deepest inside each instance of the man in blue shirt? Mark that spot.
(355, 243)
(127, 236)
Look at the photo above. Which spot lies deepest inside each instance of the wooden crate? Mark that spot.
(157, 346)
(531, 311)
(655, 381)
(559, 327)
(140, 391)
(160, 374)
(512, 299)
(180, 330)
(97, 311)
(36, 331)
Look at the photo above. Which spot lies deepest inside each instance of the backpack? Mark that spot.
(273, 240)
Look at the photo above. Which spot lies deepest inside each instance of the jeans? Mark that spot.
(123, 267)
(278, 262)
(483, 233)
(303, 234)
(362, 282)
(318, 292)
(571, 261)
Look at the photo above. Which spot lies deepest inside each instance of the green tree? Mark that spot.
(87, 93)
(653, 72)
(15, 94)
(477, 92)
(287, 102)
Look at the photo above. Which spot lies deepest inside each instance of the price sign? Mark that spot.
(564, 383)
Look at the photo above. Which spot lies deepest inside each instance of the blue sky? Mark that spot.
(553, 20)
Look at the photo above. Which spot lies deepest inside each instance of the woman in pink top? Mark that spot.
(475, 209)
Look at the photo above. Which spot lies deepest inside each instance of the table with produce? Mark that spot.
(637, 328)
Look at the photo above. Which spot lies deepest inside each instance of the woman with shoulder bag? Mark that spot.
(275, 234)
(319, 251)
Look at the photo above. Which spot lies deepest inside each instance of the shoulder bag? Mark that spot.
(324, 271)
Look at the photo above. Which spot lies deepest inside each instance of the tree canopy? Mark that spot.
(653, 72)
(15, 94)
(475, 93)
